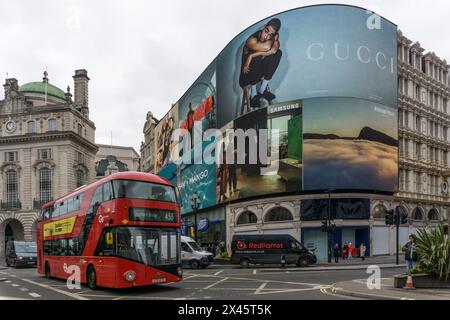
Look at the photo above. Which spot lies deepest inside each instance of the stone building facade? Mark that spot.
(111, 159)
(47, 149)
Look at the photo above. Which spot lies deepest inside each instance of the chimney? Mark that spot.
(81, 101)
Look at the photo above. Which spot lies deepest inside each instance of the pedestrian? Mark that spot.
(336, 253)
(362, 251)
(345, 251)
(350, 251)
(411, 256)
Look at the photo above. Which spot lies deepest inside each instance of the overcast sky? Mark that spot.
(143, 55)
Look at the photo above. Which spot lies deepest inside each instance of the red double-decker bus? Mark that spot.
(121, 231)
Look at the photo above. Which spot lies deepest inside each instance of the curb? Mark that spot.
(311, 269)
(363, 295)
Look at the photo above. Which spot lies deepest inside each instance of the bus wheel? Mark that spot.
(194, 264)
(244, 263)
(47, 271)
(91, 278)
(303, 262)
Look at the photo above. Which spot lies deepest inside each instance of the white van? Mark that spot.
(193, 255)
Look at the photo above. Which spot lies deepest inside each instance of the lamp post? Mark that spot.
(328, 226)
(195, 204)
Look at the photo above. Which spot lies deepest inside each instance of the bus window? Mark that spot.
(107, 192)
(143, 190)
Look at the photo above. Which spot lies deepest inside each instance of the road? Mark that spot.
(216, 282)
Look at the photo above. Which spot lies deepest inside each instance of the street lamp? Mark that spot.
(195, 204)
(328, 225)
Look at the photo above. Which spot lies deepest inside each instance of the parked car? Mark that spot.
(21, 253)
(270, 249)
(193, 255)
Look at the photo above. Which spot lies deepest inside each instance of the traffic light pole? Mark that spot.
(397, 227)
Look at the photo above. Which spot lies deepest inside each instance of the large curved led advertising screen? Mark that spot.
(324, 78)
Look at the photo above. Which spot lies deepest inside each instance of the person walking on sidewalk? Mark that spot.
(344, 251)
(336, 252)
(410, 254)
(362, 251)
(350, 251)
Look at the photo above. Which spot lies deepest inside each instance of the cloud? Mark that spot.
(349, 164)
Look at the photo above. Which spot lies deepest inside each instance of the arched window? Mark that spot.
(52, 125)
(379, 212)
(278, 214)
(31, 125)
(12, 199)
(45, 185)
(79, 174)
(417, 214)
(247, 217)
(433, 215)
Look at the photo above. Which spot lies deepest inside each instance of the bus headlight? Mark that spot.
(130, 276)
(20, 258)
(180, 271)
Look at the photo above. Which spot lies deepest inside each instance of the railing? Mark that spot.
(11, 205)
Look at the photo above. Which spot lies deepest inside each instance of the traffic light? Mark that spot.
(389, 217)
(404, 218)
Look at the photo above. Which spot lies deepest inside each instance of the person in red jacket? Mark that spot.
(350, 251)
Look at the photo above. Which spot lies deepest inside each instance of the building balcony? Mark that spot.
(11, 205)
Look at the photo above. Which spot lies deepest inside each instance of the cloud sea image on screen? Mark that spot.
(350, 144)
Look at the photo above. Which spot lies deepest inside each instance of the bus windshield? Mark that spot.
(152, 247)
(143, 190)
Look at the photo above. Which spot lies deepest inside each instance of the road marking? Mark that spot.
(261, 287)
(333, 293)
(8, 281)
(218, 272)
(24, 289)
(254, 271)
(216, 283)
(11, 298)
(72, 295)
(15, 285)
(34, 295)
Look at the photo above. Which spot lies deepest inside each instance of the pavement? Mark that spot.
(359, 288)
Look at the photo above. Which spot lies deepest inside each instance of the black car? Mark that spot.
(21, 253)
(270, 249)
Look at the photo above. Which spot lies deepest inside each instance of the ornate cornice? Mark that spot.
(54, 136)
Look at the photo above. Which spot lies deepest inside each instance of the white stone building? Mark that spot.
(111, 159)
(47, 149)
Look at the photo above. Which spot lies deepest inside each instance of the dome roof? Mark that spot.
(40, 88)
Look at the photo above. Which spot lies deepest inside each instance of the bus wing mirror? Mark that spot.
(109, 239)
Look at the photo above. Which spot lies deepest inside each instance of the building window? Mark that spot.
(418, 183)
(45, 185)
(417, 214)
(247, 217)
(433, 215)
(80, 129)
(418, 123)
(418, 93)
(418, 147)
(52, 125)
(11, 189)
(79, 174)
(44, 154)
(11, 156)
(80, 157)
(31, 125)
(278, 214)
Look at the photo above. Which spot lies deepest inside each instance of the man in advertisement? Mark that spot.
(260, 59)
